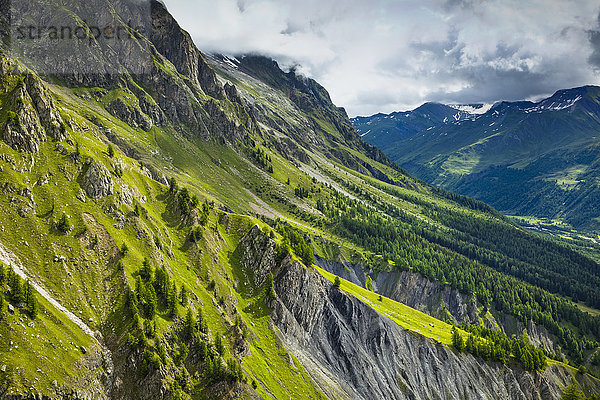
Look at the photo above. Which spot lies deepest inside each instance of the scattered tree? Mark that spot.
(124, 249)
(190, 324)
(183, 295)
(270, 287)
(173, 186)
(337, 282)
(63, 224)
(573, 393)
(219, 345)
(457, 340)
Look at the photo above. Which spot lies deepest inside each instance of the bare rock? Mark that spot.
(45, 107)
(96, 181)
(23, 130)
(131, 114)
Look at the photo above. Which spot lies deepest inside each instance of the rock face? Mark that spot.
(46, 109)
(441, 301)
(23, 130)
(414, 290)
(177, 46)
(35, 115)
(353, 352)
(257, 256)
(131, 115)
(96, 181)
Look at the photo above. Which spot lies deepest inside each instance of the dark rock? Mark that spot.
(97, 181)
(130, 114)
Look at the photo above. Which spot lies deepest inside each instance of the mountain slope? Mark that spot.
(382, 130)
(523, 158)
(178, 213)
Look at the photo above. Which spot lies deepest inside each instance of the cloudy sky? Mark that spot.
(389, 55)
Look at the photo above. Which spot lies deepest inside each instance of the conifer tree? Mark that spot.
(183, 296)
(190, 324)
(337, 282)
(457, 341)
(219, 345)
(573, 393)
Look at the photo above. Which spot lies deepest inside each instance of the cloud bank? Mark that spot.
(389, 55)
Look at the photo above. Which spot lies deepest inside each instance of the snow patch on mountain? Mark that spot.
(476, 109)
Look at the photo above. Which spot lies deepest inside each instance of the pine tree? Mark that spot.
(63, 224)
(573, 393)
(30, 300)
(33, 306)
(202, 350)
(146, 271)
(202, 325)
(111, 151)
(2, 274)
(190, 324)
(219, 345)
(27, 289)
(526, 360)
(457, 341)
(173, 186)
(183, 296)
(337, 282)
(173, 300)
(16, 288)
(470, 346)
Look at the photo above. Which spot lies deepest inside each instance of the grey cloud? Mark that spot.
(388, 55)
(594, 37)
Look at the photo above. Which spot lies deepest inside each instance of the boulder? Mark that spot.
(96, 181)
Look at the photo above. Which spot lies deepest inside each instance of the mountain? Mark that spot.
(179, 225)
(382, 129)
(524, 158)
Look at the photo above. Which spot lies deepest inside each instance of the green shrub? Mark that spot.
(337, 282)
(63, 225)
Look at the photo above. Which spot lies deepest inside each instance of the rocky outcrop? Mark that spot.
(33, 114)
(441, 301)
(131, 115)
(257, 257)
(22, 130)
(177, 46)
(46, 109)
(96, 181)
(354, 352)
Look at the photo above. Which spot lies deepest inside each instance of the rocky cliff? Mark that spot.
(353, 352)
(440, 301)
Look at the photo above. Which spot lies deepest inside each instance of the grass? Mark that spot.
(405, 316)
(41, 351)
(89, 284)
(589, 310)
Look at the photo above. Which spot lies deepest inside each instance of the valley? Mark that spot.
(215, 228)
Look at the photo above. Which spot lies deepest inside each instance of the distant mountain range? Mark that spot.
(524, 158)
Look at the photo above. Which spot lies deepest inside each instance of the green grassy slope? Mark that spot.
(277, 156)
(523, 158)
